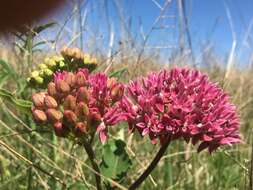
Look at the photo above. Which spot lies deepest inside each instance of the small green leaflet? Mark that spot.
(118, 73)
(115, 162)
(19, 103)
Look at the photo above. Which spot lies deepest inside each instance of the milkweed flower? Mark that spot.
(79, 103)
(181, 103)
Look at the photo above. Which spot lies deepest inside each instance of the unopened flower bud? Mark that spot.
(35, 74)
(38, 99)
(82, 109)
(76, 53)
(64, 51)
(48, 72)
(111, 82)
(51, 89)
(57, 58)
(80, 79)
(60, 130)
(70, 79)
(39, 116)
(83, 95)
(117, 92)
(28, 79)
(69, 103)
(70, 116)
(62, 86)
(87, 58)
(61, 64)
(51, 63)
(42, 66)
(95, 118)
(80, 129)
(50, 102)
(39, 79)
(54, 115)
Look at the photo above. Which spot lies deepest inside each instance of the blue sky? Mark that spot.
(208, 22)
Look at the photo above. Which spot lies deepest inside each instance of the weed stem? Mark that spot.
(151, 166)
(91, 155)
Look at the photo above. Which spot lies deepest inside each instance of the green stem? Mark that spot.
(91, 155)
(151, 166)
(53, 156)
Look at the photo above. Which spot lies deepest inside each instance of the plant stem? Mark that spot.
(151, 166)
(251, 170)
(95, 167)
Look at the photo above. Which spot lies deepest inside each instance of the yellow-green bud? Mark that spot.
(42, 66)
(35, 74)
(58, 58)
(51, 63)
(39, 79)
(41, 73)
(48, 72)
(86, 58)
(28, 79)
(61, 64)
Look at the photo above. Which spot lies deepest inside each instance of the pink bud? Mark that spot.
(83, 95)
(50, 102)
(60, 130)
(62, 86)
(54, 115)
(80, 129)
(39, 116)
(70, 78)
(111, 82)
(117, 92)
(51, 89)
(70, 116)
(69, 103)
(95, 119)
(81, 79)
(38, 99)
(82, 109)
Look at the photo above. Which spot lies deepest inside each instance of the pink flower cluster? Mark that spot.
(181, 103)
(79, 103)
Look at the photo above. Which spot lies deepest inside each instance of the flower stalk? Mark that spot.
(151, 166)
(91, 155)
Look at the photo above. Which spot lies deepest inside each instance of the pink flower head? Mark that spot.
(181, 103)
(101, 103)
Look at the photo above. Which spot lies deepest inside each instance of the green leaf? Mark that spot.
(43, 27)
(7, 68)
(19, 103)
(115, 162)
(118, 73)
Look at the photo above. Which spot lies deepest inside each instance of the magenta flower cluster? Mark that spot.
(181, 103)
(77, 104)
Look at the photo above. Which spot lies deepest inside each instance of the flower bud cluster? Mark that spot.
(79, 104)
(77, 59)
(71, 60)
(44, 73)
